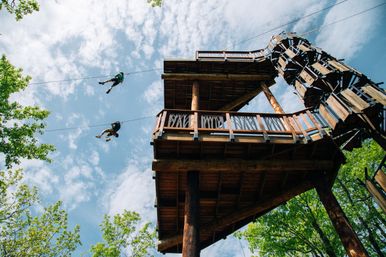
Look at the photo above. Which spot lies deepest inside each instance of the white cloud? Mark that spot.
(133, 190)
(39, 174)
(231, 247)
(346, 38)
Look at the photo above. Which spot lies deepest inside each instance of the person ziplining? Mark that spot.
(116, 80)
(110, 131)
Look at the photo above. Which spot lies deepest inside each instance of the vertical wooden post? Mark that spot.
(271, 98)
(195, 96)
(195, 107)
(349, 238)
(191, 237)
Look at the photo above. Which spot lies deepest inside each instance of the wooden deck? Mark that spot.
(249, 163)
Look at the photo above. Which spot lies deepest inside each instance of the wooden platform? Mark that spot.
(235, 190)
(249, 163)
(221, 82)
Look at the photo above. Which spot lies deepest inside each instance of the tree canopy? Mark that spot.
(20, 7)
(123, 237)
(26, 227)
(155, 3)
(19, 124)
(301, 227)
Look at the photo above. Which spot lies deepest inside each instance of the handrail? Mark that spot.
(299, 126)
(236, 112)
(231, 54)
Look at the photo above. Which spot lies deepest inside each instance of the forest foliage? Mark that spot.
(301, 227)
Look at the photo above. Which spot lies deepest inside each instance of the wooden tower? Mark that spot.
(217, 169)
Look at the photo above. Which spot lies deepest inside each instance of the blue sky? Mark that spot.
(75, 39)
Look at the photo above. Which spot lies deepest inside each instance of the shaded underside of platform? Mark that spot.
(221, 82)
(238, 182)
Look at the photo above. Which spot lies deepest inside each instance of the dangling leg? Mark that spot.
(103, 132)
(113, 85)
(103, 82)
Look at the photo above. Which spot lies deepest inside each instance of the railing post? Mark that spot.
(260, 121)
(316, 123)
(291, 128)
(195, 126)
(229, 124)
(306, 136)
(161, 128)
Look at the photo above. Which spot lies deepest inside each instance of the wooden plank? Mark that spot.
(349, 238)
(380, 178)
(319, 67)
(338, 107)
(290, 53)
(308, 77)
(339, 66)
(355, 100)
(377, 95)
(300, 88)
(378, 197)
(327, 116)
(180, 165)
(216, 77)
(304, 48)
(282, 62)
(263, 180)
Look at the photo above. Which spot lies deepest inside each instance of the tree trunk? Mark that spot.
(326, 242)
(371, 237)
(349, 238)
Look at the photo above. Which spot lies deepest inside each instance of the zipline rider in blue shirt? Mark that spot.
(116, 80)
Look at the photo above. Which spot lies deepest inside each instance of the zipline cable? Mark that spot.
(98, 125)
(91, 77)
(343, 19)
(288, 23)
(237, 43)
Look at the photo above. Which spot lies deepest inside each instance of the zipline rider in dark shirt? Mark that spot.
(116, 80)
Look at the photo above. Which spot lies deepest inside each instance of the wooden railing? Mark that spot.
(298, 126)
(231, 55)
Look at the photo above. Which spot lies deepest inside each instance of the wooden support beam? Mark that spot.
(271, 99)
(245, 98)
(195, 96)
(195, 107)
(191, 236)
(216, 77)
(259, 208)
(349, 238)
(380, 177)
(378, 196)
(165, 165)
